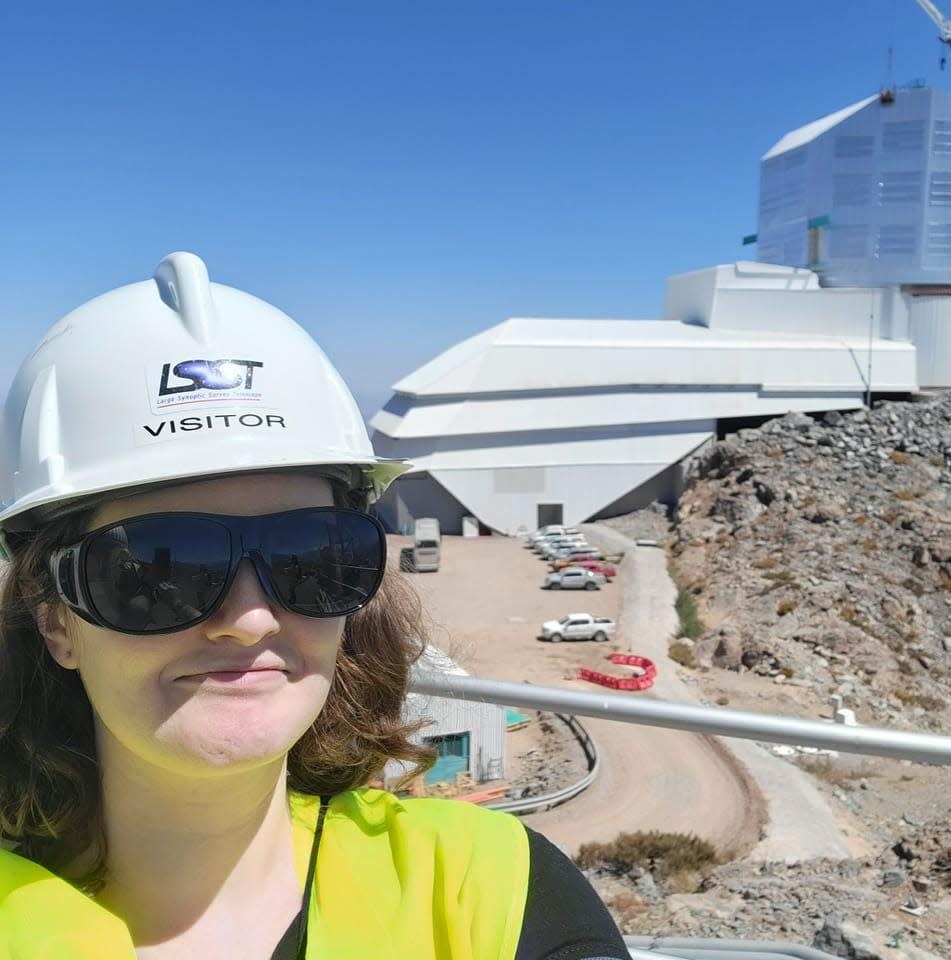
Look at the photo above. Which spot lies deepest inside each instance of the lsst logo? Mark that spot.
(192, 381)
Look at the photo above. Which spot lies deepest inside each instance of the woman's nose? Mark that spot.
(246, 615)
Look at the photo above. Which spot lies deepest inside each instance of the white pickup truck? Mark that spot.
(577, 626)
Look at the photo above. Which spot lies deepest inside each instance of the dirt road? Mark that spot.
(486, 608)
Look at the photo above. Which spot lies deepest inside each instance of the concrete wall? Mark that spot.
(930, 327)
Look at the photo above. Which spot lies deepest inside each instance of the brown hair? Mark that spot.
(50, 804)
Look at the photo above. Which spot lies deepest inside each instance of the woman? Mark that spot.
(203, 662)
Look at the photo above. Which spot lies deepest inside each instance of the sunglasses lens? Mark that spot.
(326, 563)
(154, 575)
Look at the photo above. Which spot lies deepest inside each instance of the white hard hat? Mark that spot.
(170, 379)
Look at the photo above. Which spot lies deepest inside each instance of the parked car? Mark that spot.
(573, 578)
(544, 533)
(595, 566)
(577, 626)
(551, 548)
(426, 540)
(581, 553)
(551, 533)
(559, 538)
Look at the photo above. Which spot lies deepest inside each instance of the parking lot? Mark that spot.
(486, 607)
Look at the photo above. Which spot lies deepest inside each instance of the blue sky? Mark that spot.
(398, 176)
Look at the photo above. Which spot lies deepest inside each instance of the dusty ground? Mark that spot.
(486, 607)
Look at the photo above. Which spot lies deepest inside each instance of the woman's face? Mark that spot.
(238, 689)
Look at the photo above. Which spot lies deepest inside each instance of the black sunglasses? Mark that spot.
(163, 572)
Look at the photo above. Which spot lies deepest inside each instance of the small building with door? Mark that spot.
(469, 736)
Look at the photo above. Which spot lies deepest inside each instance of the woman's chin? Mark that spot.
(229, 739)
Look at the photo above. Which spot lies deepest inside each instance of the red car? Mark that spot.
(595, 566)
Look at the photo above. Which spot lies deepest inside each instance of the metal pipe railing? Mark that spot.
(701, 948)
(874, 741)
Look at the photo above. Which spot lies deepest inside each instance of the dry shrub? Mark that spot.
(683, 881)
(937, 461)
(785, 606)
(723, 701)
(861, 519)
(682, 653)
(664, 854)
(775, 452)
(780, 576)
(825, 768)
(913, 699)
(765, 563)
(904, 494)
(626, 907)
(898, 456)
(870, 547)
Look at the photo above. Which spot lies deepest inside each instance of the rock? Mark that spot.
(826, 513)
(729, 652)
(647, 887)
(892, 878)
(842, 939)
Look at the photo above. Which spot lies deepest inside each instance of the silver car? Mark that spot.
(573, 578)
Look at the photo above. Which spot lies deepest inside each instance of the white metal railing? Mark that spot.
(709, 948)
(875, 741)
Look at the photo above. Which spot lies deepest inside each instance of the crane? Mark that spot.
(944, 26)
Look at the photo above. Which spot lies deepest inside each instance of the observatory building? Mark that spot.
(538, 421)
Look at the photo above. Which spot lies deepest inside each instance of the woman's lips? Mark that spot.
(238, 678)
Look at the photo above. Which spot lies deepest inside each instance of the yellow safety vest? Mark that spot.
(396, 879)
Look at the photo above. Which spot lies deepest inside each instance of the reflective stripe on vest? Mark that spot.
(420, 878)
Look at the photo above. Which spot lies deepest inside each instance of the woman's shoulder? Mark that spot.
(16, 871)
(71, 921)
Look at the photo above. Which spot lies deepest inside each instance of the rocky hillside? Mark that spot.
(819, 554)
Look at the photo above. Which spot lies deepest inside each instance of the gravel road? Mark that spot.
(796, 823)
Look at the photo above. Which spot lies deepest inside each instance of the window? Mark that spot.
(848, 241)
(939, 239)
(897, 240)
(848, 147)
(942, 136)
(901, 187)
(903, 135)
(851, 189)
(939, 190)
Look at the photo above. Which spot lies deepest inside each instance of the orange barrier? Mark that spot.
(483, 796)
(634, 660)
(642, 682)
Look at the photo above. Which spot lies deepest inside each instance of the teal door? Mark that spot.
(453, 758)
